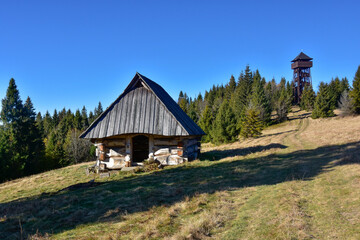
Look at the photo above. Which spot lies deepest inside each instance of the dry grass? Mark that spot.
(299, 180)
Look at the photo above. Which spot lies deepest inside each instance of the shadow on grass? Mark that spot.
(215, 155)
(72, 207)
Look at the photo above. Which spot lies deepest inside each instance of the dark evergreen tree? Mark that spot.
(12, 131)
(84, 119)
(252, 124)
(55, 118)
(91, 117)
(224, 129)
(33, 148)
(355, 92)
(241, 95)
(12, 106)
(47, 123)
(77, 120)
(259, 100)
(206, 122)
(324, 106)
(344, 85)
(98, 110)
(308, 98)
(230, 88)
(283, 100)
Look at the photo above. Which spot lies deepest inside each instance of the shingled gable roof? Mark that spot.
(302, 56)
(143, 107)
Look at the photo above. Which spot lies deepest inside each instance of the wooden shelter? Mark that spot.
(144, 122)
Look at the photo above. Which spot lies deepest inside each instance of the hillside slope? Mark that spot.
(300, 180)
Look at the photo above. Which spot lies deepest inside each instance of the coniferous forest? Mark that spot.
(33, 142)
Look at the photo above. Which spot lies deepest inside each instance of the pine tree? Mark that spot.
(206, 122)
(33, 144)
(47, 123)
(242, 93)
(258, 98)
(252, 124)
(182, 102)
(11, 117)
(307, 98)
(77, 120)
(335, 91)
(91, 117)
(355, 92)
(55, 118)
(324, 106)
(84, 118)
(12, 106)
(224, 129)
(283, 99)
(98, 110)
(230, 88)
(344, 85)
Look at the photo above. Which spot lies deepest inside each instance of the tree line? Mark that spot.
(32, 143)
(242, 108)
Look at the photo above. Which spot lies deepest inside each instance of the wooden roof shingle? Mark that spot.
(143, 107)
(303, 57)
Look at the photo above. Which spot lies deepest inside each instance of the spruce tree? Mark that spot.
(77, 120)
(11, 116)
(224, 129)
(307, 98)
(324, 106)
(206, 122)
(252, 124)
(355, 92)
(12, 106)
(230, 88)
(283, 99)
(258, 98)
(98, 110)
(33, 144)
(84, 118)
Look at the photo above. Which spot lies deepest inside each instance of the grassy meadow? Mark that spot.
(299, 180)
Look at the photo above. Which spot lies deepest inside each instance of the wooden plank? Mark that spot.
(166, 123)
(165, 141)
(156, 118)
(137, 116)
(147, 112)
(135, 105)
(142, 110)
(122, 114)
(151, 144)
(111, 126)
(116, 118)
(159, 129)
(128, 111)
(116, 142)
(152, 114)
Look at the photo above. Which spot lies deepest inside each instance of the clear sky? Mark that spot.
(75, 53)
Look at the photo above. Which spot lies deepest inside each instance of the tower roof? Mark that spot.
(302, 56)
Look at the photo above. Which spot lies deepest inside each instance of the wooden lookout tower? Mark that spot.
(302, 76)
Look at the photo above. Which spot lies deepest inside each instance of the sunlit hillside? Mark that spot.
(299, 180)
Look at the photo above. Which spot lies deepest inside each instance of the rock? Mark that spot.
(162, 151)
(104, 175)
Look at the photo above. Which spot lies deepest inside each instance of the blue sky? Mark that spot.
(75, 53)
